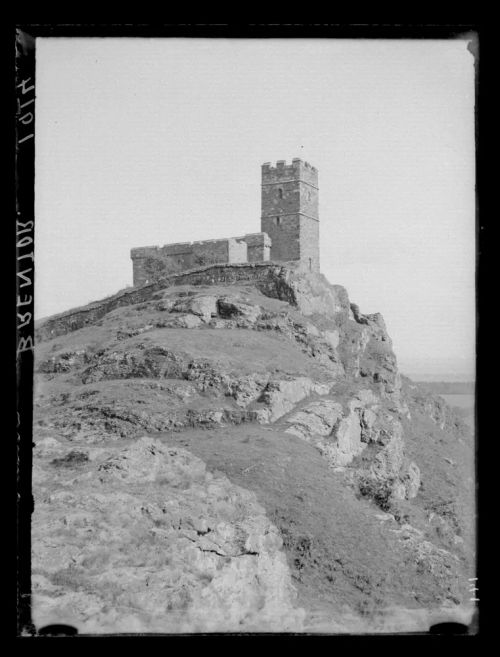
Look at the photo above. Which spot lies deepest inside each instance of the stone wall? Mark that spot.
(267, 275)
(256, 272)
(285, 281)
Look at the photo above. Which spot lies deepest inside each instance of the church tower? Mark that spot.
(290, 211)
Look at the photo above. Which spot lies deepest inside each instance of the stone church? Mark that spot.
(289, 230)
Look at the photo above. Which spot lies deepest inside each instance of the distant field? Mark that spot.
(461, 401)
(449, 387)
(459, 394)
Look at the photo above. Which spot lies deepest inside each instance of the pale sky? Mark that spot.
(150, 141)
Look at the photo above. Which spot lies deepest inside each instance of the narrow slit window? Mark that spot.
(280, 192)
(278, 219)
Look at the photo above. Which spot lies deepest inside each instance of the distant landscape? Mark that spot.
(449, 387)
(459, 394)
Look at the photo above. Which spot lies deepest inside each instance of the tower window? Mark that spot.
(278, 219)
(280, 192)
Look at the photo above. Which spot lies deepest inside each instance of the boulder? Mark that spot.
(280, 396)
(390, 475)
(332, 337)
(231, 307)
(316, 419)
(204, 306)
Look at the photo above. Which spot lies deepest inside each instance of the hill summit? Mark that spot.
(232, 448)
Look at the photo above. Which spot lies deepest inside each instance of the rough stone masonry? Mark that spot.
(289, 230)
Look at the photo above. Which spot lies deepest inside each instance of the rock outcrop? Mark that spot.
(148, 540)
(342, 432)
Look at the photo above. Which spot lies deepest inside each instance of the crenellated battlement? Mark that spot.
(296, 164)
(178, 248)
(298, 170)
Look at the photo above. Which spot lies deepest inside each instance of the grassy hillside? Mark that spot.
(275, 456)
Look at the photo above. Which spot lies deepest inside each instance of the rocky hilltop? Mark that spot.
(232, 449)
